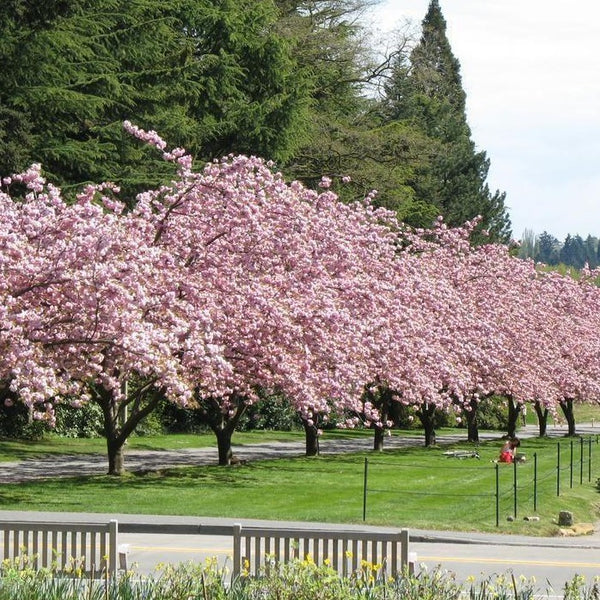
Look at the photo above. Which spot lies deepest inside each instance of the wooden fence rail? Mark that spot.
(254, 548)
(91, 547)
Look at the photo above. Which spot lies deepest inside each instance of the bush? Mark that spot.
(272, 411)
(84, 422)
(491, 414)
(16, 422)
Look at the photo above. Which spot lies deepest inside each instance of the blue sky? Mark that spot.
(531, 71)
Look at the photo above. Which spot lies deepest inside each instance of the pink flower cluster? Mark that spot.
(230, 279)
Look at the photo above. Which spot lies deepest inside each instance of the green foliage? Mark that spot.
(212, 77)
(504, 587)
(579, 589)
(83, 422)
(16, 422)
(272, 411)
(491, 414)
(296, 580)
(425, 91)
(176, 419)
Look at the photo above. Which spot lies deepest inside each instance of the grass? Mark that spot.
(415, 487)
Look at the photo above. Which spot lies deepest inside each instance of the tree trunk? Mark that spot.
(116, 458)
(567, 407)
(312, 438)
(378, 439)
(542, 415)
(224, 446)
(472, 423)
(383, 401)
(514, 408)
(121, 419)
(222, 424)
(426, 414)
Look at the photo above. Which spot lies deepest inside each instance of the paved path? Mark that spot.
(73, 465)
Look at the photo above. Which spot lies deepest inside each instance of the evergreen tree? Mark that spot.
(591, 253)
(425, 90)
(548, 248)
(573, 252)
(214, 77)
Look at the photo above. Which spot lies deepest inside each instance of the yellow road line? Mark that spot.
(188, 550)
(508, 561)
(420, 557)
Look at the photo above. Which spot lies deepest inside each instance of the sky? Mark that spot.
(531, 72)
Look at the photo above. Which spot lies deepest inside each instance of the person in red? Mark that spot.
(509, 450)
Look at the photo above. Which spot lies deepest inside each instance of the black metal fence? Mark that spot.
(516, 485)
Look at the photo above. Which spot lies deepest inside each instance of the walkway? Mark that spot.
(139, 461)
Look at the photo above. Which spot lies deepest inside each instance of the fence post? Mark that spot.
(571, 467)
(558, 468)
(365, 490)
(515, 486)
(237, 550)
(581, 449)
(535, 482)
(589, 459)
(113, 532)
(497, 496)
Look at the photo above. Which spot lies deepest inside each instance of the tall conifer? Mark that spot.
(425, 90)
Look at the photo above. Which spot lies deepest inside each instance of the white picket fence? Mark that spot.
(255, 548)
(92, 548)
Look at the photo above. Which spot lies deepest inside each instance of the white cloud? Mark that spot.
(532, 76)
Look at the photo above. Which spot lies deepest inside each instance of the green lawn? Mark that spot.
(414, 487)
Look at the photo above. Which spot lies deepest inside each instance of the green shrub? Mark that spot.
(83, 422)
(272, 411)
(16, 422)
(492, 414)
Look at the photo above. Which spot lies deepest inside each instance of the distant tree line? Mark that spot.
(574, 251)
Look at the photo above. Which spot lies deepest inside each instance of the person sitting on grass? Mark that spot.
(508, 454)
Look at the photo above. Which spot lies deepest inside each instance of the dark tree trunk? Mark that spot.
(378, 439)
(426, 415)
(116, 458)
(121, 419)
(542, 415)
(472, 423)
(514, 408)
(224, 446)
(382, 399)
(223, 424)
(567, 407)
(312, 438)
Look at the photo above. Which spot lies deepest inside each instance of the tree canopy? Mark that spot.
(214, 77)
(425, 90)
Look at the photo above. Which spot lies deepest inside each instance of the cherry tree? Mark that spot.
(88, 293)
(230, 280)
(286, 277)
